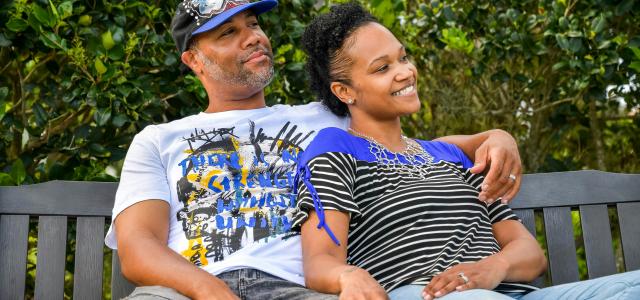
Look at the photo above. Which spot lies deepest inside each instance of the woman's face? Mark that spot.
(383, 80)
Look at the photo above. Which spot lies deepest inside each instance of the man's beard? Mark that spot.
(243, 77)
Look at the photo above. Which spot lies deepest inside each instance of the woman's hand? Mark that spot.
(358, 284)
(484, 274)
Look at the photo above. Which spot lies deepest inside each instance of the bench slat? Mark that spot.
(88, 262)
(52, 238)
(14, 234)
(120, 287)
(561, 246)
(598, 245)
(529, 220)
(629, 217)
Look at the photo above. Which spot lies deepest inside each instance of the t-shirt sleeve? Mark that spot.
(332, 177)
(143, 178)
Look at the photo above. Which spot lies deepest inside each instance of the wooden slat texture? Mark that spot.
(52, 238)
(629, 217)
(561, 246)
(598, 245)
(88, 259)
(14, 236)
(576, 188)
(63, 198)
(120, 287)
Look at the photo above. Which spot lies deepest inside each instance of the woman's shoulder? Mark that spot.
(446, 151)
(329, 140)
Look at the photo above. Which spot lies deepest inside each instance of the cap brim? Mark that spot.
(257, 7)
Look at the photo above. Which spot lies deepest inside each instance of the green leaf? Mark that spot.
(102, 116)
(4, 92)
(636, 52)
(17, 25)
(4, 42)
(107, 40)
(6, 179)
(42, 15)
(53, 41)
(624, 7)
(18, 172)
(99, 65)
(635, 65)
(598, 24)
(65, 10)
(559, 66)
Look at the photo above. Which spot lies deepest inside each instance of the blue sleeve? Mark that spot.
(447, 152)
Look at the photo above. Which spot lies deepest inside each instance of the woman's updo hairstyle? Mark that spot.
(323, 42)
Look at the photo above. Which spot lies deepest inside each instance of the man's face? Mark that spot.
(237, 53)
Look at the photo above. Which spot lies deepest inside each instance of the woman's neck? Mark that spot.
(387, 133)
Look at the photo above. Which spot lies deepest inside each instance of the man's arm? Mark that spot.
(142, 233)
(496, 150)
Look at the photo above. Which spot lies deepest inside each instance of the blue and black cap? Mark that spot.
(193, 17)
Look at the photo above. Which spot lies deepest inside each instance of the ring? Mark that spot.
(464, 278)
(512, 177)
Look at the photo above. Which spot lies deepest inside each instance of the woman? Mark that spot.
(398, 215)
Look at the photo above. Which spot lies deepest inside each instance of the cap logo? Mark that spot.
(205, 9)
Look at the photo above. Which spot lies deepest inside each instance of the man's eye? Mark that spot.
(227, 32)
(254, 25)
(404, 58)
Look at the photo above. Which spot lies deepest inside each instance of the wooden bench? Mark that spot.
(89, 204)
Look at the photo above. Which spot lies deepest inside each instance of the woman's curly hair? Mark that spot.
(323, 41)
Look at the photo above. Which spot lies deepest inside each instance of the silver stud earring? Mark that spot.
(350, 101)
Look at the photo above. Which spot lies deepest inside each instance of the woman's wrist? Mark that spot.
(344, 274)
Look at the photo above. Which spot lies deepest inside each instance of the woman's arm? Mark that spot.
(523, 258)
(325, 267)
(520, 260)
(496, 150)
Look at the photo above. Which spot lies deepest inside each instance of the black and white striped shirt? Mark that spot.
(403, 229)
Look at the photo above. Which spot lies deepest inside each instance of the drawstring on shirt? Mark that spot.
(317, 204)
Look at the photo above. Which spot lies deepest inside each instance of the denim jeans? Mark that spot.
(248, 284)
(623, 286)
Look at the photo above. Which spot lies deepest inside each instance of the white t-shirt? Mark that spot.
(228, 178)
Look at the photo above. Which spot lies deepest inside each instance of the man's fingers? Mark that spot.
(513, 191)
(481, 160)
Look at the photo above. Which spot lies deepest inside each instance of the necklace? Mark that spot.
(413, 161)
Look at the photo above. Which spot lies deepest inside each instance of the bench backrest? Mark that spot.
(89, 205)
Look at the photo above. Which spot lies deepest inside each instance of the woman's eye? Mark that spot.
(405, 58)
(382, 68)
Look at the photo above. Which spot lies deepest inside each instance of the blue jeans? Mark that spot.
(619, 286)
(248, 284)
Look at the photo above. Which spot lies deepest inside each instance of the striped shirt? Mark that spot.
(403, 229)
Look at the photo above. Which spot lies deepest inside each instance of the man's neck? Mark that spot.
(220, 104)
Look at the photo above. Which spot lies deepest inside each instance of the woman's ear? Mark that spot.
(343, 92)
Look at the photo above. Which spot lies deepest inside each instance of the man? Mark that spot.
(204, 204)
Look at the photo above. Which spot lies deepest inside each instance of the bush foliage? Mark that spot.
(79, 78)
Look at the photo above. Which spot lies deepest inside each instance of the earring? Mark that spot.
(350, 101)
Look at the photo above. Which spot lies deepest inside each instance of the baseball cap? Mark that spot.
(193, 17)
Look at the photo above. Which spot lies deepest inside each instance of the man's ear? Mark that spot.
(343, 92)
(190, 59)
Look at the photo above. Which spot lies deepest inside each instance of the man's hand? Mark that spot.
(358, 284)
(484, 274)
(499, 153)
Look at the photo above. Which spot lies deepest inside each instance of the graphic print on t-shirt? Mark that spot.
(236, 191)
